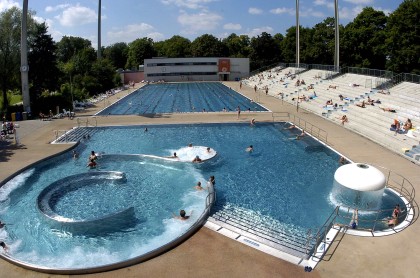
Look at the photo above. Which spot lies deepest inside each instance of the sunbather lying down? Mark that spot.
(387, 109)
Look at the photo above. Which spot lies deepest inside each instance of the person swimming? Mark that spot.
(249, 149)
(197, 159)
(182, 215)
(92, 164)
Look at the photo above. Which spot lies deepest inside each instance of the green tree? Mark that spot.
(138, 50)
(288, 45)
(83, 60)
(67, 47)
(10, 25)
(104, 72)
(321, 48)
(43, 74)
(117, 54)
(208, 46)
(238, 46)
(278, 39)
(175, 47)
(264, 51)
(403, 36)
(364, 40)
(10, 36)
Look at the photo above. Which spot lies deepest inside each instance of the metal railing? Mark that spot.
(321, 235)
(366, 71)
(257, 71)
(284, 116)
(61, 133)
(86, 122)
(408, 77)
(313, 130)
(401, 186)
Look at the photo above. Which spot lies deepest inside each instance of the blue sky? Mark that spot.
(125, 21)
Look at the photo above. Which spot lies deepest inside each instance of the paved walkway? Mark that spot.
(208, 254)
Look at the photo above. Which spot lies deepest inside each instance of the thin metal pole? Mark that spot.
(24, 68)
(337, 40)
(99, 30)
(297, 48)
(297, 34)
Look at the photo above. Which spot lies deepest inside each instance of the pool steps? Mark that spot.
(263, 232)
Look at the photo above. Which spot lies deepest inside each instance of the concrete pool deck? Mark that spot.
(208, 254)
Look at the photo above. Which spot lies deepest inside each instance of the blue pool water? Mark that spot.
(181, 97)
(285, 182)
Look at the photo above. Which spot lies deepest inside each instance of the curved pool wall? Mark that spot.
(181, 98)
(104, 224)
(197, 221)
(211, 167)
(147, 256)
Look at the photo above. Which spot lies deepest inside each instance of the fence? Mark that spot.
(408, 77)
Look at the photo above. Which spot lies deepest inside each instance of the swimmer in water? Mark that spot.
(182, 215)
(198, 186)
(250, 149)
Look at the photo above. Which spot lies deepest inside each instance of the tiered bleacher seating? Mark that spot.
(371, 121)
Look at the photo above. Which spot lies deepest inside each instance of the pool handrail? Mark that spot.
(404, 189)
(310, 128)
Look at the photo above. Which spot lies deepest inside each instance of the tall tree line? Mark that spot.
(68, 69)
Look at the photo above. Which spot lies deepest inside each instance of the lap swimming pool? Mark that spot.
(181, 97)
(284, 182)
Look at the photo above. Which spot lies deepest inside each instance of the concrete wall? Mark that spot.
(128, 76)
(194, 69)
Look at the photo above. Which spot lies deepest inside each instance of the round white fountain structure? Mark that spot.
(359, 185)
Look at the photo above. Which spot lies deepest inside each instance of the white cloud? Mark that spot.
(7, 4)
(203, 21)
(131, 32)
(326, 3)
(232, 26)
(311, 13)
(49, 9)
(360, 2)
(77, 15)
(349, 14)
(191, 4)
(257, 31)
(255, 11)
(386, 11)
(283, 11)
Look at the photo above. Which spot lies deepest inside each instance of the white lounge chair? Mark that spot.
(68, 113)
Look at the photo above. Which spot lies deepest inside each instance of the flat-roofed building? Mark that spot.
(196, 69)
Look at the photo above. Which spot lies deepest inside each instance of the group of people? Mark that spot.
(182, 213)
(2, 243)
(7, 128)
(300, 82)
(396, 126)
(44, 117)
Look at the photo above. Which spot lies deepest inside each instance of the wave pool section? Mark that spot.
(284, 185)
(66, 218)
(181, 98)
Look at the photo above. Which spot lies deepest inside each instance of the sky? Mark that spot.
(125, 20)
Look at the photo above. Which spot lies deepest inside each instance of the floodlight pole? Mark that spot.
(99, 30)
(297, 48)
(337, 40)
(24, 67)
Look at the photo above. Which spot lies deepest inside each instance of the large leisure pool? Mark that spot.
(284, 182)
(180, 98)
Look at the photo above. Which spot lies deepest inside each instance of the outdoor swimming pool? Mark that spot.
(181, 97)
(285, 182)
